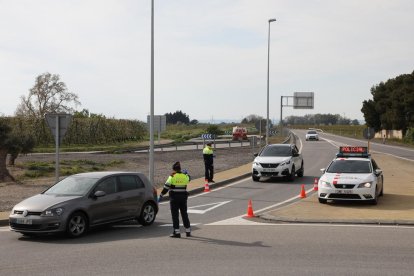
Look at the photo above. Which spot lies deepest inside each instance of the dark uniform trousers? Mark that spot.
(209, 170)
(178, 203)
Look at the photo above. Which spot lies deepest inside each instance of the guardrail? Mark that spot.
(197, 145)
(200, 144)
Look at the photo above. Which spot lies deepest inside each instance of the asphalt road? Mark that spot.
(223, 243)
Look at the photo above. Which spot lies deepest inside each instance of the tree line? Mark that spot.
(392, 105)
(309, 119)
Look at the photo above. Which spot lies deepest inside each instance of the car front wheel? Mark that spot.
(291, 176)
(148, 214)
(77, 225)
(255, 178)
(301, 171)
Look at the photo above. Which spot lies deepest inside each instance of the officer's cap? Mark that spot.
(176, 166)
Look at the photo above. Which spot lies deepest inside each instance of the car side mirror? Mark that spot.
(378, 172)
(295, 154)
(255, 155)
(323, 170)
(99, 194)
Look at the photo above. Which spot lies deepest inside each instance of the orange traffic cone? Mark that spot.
(250, 213)
(315, 184)
(206, 187)
(302, 192)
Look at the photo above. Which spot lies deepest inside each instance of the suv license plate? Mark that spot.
(269, 170)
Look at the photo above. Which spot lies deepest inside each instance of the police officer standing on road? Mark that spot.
(176, 185)
(208, 162)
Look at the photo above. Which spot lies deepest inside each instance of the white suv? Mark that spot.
(276, 160)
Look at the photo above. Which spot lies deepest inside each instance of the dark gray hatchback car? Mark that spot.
(81, 201)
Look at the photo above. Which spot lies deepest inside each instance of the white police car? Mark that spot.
(352, 175)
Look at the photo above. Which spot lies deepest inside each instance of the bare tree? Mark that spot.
(48, 95)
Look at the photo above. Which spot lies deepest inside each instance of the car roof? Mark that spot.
(280, 145)
(353, 158)
(104, 174)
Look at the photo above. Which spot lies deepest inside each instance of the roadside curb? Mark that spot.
(275, 219)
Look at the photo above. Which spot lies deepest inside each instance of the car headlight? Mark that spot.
(285, 163)
(365, 185)
(52, 212)
(256, 164)
(325, 184)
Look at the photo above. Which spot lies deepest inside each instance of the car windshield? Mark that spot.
(311, 132)
(72, 186)
(349, 166)
(276, 151)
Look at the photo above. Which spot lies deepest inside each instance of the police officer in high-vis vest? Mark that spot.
(176, 185)
(208, 163)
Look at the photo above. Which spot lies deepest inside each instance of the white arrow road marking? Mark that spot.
(239, 220)
(193, 209)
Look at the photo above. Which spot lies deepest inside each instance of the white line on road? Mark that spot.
(170, 224)
(4, 229)
(193, 209)
(336, 144)
(239, 220)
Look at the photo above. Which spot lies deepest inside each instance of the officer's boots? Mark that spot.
(175, 234)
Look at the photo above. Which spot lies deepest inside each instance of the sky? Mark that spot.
(210, 56)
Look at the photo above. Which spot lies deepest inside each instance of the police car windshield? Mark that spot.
(276, 151)
(349, 166)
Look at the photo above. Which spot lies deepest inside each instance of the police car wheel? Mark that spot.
(322, 200)
(374, 201)
(382, 188)
(255, 178)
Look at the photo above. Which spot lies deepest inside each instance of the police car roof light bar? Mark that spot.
(349, 151)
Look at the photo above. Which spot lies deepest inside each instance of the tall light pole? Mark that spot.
(268, 58)
(151, 121)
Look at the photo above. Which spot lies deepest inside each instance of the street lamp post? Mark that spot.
(268, 58)
(151, 121)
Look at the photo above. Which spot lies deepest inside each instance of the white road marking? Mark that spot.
(212, 191)
(170, 224)
(4, 229)
(194, 210)
(239, 220)
(337, 144)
